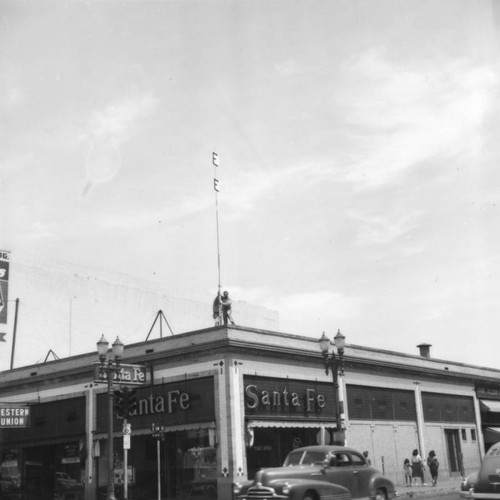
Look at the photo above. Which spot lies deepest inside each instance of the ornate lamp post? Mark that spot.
(109, 366)
(335, 364)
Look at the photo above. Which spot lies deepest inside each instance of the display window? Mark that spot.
(10, 474)
(270, 445)
(182, 464)
(42, 472)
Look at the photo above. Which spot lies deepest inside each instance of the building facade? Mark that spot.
(230, 400)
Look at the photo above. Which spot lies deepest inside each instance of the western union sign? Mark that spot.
(14, 416)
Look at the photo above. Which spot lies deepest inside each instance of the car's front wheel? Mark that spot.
(380, 494)
(309, 496)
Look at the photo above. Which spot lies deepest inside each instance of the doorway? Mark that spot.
(455, 458)
(271, 445)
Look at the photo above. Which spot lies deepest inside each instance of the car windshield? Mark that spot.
(493, 451)
(313, 458)
(293, 458)
(307, 458)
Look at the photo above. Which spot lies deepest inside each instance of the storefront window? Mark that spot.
(271, 445)
(200, 466)
(10, 475)
(42, 471)
(188, 466)
(68, 472)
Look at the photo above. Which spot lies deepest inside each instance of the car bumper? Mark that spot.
(477, 494)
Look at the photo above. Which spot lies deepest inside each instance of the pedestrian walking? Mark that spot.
(417, 467)
(408, 472)
(433, 464)
(368, 461)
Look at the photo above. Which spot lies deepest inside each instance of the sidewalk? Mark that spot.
(442, 488)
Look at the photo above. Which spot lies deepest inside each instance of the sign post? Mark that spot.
(158, 432)
(126, 446)
(123, 374)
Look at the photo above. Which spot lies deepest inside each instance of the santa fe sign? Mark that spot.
(125, 374)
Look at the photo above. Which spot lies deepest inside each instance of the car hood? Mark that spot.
(489, 467)
(267, 476)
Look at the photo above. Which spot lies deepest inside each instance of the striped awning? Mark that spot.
(490, 405)
(171, 428)
(491, 434)
(290, 424)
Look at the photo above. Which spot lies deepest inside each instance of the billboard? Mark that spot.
(4, 285)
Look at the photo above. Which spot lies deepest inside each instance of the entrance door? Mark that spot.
(454, 451)
(271, 445)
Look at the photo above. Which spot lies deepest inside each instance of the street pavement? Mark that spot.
(442, 488)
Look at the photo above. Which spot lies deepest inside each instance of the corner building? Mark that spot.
(231, 400)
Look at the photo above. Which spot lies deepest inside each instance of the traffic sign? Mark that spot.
(158, 431)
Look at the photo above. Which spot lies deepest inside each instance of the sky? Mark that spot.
(358, 163)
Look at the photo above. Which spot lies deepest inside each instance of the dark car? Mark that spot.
(484, 483)
(314, 472)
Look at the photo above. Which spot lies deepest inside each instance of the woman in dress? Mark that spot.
(417, 467)
(433, 464)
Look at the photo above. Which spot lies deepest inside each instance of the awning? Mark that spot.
(490, 405)
(171, 428)
(290, 424)
(491, 434)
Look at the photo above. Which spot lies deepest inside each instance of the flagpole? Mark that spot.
(215, 162)
(14, 337)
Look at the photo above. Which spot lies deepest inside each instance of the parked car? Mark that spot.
(484, 483)
(314, 472)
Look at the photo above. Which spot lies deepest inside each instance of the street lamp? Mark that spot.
(335, 364)
(109, 366)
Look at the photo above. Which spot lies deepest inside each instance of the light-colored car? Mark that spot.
(314, 472)
(484, 483)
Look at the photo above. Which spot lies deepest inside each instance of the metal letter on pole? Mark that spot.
(215, 161)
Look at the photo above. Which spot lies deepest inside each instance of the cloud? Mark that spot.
(307, 313)
(384, 230)
(118, 120)
(107, 129)
(237, 197)
(16, 163)
(16, 97)
(401, 115)
(242, 194)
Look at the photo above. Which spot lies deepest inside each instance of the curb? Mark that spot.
(428, 492)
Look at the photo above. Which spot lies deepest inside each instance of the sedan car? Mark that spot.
(485, 483)
(313, 472)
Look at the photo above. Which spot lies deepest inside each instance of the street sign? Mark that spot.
(338, 436)
(126, 441)
(14, 416)
(124, 374)
(158, 431)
